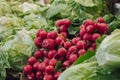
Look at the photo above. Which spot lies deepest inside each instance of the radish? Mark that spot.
(81, 44)
(32, 60)
(75, 40)
(43, 34)
(38, 33)
(48, 77)
(41, 66)
(102, 28)
(60, 40)
(52, 53)
(52, 35)
(59, 23)
(95, 36)
(45, 53)
(67, 44)
(31, 76)
(87, 37)
(100, 20)
(49, 69)
(46, 61)
(72, 49)
(53, 62)
(82, 32)
(63, 28)
(81, 52)
(90, 29)
(38, 54)
(62, 52)
(35, 66)
(48, 44)
(67, 22)
(27, 69)
(39, 75)
(66, 64)
(72, 58)
(64, 34)
(88, 22)
(56, 75)
(38, 42)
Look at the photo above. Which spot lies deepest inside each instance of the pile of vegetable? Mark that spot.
(45, 41)
(56, 51)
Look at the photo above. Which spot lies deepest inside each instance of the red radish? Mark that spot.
(67, 55)
(59, 23)
(64, 34)
(49, 69)
(43, 34)
(27, 69)
(31, 76)
(81, 44)
(53, 62)
(52, 53)
(38, 42)
(48, 77)
(87, 36)
(91, 49)
(88, 22)
(72, 49)
(45, 53)
(82, 32)
(100, 20)
(66, 64)
(32, 60)
(38, 33)
(90, 29)
(102, 28)
(67, 44)
(46, 61)
(67, 22)
(52, 35)
(41, 66)
(81, 52)
(56, 75)
(62, 52)
(94, 45)
(35, 66)
(39, 75)
(72, 58)
(38, 54)
(82, 26)
(48, 44)
(63, 28)
(60, 40)
(95, 36)
(75, 40)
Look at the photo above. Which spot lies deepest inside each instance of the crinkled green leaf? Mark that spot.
(55, 8)
(79, 72)
(88, 71)
(108, 52)
(18, 49)
(86, 3)
(3, 64)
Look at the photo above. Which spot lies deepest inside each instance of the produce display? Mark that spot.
(59, 40)
(56, 52)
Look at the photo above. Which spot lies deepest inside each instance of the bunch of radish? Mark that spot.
(54, 47)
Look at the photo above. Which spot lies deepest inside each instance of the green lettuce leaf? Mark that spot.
(88, 71)
(14, 51)
(108, 52)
